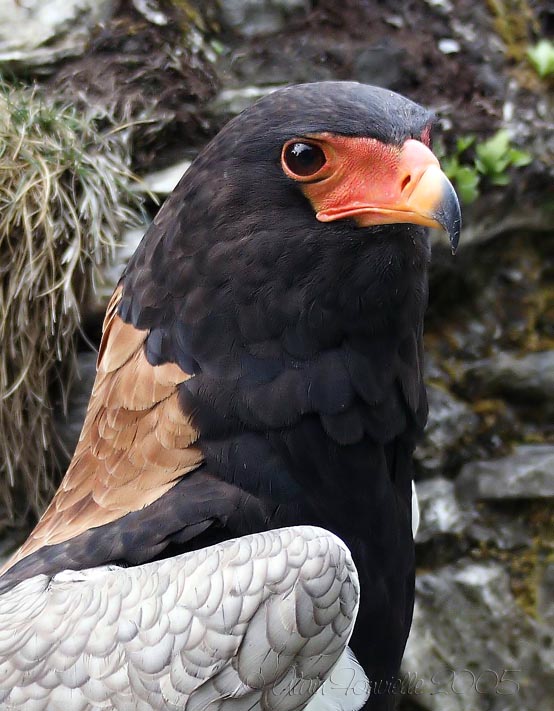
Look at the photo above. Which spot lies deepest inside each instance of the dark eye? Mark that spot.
(304, 159)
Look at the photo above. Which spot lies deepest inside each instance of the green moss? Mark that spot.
(514, 22)
(526, 566)
(198, 14)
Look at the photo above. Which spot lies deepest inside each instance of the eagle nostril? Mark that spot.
(407, 180)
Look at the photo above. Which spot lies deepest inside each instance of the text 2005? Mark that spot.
(464, 681)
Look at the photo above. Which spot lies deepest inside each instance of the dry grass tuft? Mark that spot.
(64, 197)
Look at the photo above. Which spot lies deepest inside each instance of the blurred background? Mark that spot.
(103, 104)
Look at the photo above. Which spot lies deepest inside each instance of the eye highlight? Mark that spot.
(302, 159)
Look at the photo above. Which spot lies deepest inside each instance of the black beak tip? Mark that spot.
(449, 215)
(454, 233)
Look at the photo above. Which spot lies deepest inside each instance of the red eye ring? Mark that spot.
(426, 135)
(302, 159)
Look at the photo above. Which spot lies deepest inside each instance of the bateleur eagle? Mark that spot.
(261, 368)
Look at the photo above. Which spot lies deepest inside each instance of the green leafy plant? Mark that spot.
(541, 57)
(464, 176)
(472, 160)
(494, 156)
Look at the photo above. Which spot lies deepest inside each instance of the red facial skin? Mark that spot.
(372, 182)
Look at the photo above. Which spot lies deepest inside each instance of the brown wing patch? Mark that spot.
(136, 442)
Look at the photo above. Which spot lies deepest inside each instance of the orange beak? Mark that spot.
(375, 184)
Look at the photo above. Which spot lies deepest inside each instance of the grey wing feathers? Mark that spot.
(256, 622)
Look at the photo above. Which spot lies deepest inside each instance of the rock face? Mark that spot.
(451, 422)
(440, 510)
(528, 473)
(481, 638)
(525, 379)
(260, 17)
(40, 32)
(472, 647)
(546, 596)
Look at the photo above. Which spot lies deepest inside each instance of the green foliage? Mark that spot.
(465, 178)
(494, 156)
(472, 160)
(541, 57)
